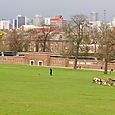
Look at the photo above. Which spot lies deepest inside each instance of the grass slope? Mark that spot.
(27, 90)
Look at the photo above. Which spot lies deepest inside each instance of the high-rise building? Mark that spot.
(38, 20)
(113, 22)
(29, 21)
(14, 25)
(94, 16)
(47, 21)
(19, 21)
(5, 24)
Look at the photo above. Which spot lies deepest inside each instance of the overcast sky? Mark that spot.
(50, 8)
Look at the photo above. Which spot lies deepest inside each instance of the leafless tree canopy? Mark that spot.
(77, 32)
(106, 44)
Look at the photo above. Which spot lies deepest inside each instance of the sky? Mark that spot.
(50, 8)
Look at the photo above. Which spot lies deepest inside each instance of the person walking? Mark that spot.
(50, 71)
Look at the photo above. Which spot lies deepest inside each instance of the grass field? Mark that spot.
(28, 90)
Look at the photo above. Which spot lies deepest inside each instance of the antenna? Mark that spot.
(104, 16)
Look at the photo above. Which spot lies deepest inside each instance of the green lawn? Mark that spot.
(28, 90)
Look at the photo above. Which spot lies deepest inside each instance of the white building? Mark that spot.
(94, 16)
(27, 27)
(47, 21)
(95, 23)
(113, 22)
(38, 20)
(5, 24)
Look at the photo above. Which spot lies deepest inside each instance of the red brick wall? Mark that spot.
(52, 61)
(37, 57)
(12, 60)
(58, 62)
(89, 64)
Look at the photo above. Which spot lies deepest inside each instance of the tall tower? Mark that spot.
(104, 18)
(94, 16)
(38, 20)
(21, 20)
(14, 25)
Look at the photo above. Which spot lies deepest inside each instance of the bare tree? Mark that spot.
(42, 38)
(77, 32)
(26, 38)
(46, 34)
(106, 44)
(2, 40)
(94, 39)
(15, 41)
(32, 40)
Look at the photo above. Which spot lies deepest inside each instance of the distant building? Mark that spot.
(27, 27)
(94, 16)
(113, 22)
(58, 23)
(19, 21)
(29, 21)
(47, 21)
(38, 20)
(95, 23)
(14, 25)
(5, 24)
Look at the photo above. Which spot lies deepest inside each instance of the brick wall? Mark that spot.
(60, 62)
(12, 60)
(45, 59)
(37, 57)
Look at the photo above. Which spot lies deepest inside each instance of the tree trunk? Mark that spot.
(44, 47)
(76, 58)
(75, 64)
(36, 47)
(106, 66)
